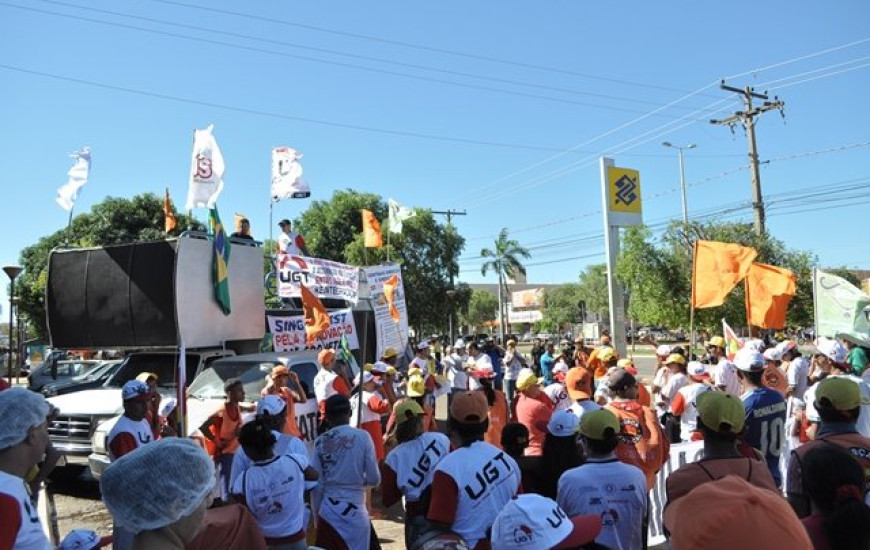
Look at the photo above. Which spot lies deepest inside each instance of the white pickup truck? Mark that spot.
(81, 412)
(206, 395)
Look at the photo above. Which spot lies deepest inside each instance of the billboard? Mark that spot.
(528, 299)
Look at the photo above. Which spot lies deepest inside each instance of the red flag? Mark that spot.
(316, 316)
(169, 221)
(371, 230)
(769, 289)
(390, 286)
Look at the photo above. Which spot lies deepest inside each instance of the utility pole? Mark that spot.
(450, 213)
(747, 119)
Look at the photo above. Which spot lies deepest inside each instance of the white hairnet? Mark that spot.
(20, 409)
(157, 484)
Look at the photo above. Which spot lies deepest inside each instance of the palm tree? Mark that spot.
(504, 260)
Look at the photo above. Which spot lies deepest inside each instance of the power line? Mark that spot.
(317, 60)
(799, 58)
(769, 83)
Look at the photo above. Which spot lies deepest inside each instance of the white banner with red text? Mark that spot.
(288, 333)
(389, 334)
(325, 278)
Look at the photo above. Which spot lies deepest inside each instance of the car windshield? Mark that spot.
(95, 373)
(161, 364)
(210, 383)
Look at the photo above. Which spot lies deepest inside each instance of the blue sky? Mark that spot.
(499, 108)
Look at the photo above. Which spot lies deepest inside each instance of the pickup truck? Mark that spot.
(206, 396)
(81, 412)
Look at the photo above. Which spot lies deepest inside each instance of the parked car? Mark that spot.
(527, 337)
(206, 396)
(82, 411)
(93, 378)
(65, 370)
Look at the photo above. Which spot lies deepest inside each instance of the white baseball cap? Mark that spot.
(561, 366)
(832, 349)
(663, 350)
(424, 344)
(535, 522)
(271, 405)
(563, 424)
(366, 377)
(754, 344)
(772, 354)
(696, 369)
(749, 360)
(135, 389)
(460, 344)
(379, 367)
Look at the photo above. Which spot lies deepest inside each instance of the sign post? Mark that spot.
(621, 201)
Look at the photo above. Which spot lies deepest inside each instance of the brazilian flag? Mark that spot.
(220, 265)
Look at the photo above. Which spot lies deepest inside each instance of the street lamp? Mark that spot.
(682, 177)
(12, 271)
(450, 294)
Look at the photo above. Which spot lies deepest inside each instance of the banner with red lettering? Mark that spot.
(288, 333)
(325, 278)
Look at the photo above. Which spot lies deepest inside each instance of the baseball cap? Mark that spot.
(563, 424)
(620, 379)
(144, 376)
(772, 354)
(533, 521)
(280, 370)
(736, 514)
(389, 352)
(716, 342)
(285, 221)
(675, 358)
(697, 370)
(469, 407)
(561, 366)
(663, 350)
(326, 356)
(83, 539)
(135, 390)
(379, 367)
(526, 379)
(578, 382)
(460, 344)
(20, 409)
(844, 394)
(271, 405)
(749, 360)
(830, 348)
(721, 412)
(406, 410)
(391, 371)
(596, 424)
(786, 346)
(754, 344)
(606, 354)
(366, 377)
(415, 371)
(416, 386)
(424, 344)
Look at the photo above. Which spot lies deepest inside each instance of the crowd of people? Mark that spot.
(553, 450)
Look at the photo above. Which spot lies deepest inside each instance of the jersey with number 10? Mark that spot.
(765, 426)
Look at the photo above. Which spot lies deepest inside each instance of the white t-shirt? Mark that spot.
(290, 243)
(615, 492)
(798, 375)
(274, 492)
(660, 379)
(323, 384)
(673, 385)
(725, 374)
(481, 362)
(581, 407)
(284, 445)
(455, 372)
(512, 363)
(414, 462)
(558, 396)
(368, 415)
(18, 514)
(689, 418)
(486, 478)
(140, 430)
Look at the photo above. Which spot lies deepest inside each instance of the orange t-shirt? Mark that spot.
(689, 476)
(641, 438)
(230, 424)
(534, 414)
(498, 417)
(643, 396)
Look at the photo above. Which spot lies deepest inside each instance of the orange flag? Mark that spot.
(316, 316)
(371, 230)
(390, 294)
(769, 289)
(169, 221)
(717, 269)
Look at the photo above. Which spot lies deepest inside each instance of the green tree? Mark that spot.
(658, 274)
(482, 307)
(593, 289)
(426, 250)
(113, 221)
(560, 306)
(504, 259)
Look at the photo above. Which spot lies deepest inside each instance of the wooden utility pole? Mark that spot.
(747, 119)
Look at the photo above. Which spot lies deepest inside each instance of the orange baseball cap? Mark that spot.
(469, 407)
(578, 382)
(736, 515)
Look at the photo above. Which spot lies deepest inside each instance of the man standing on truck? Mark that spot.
(279, 384)
(327, 383)
(290, 242)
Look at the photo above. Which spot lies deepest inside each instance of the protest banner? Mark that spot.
(288, 333)
(325, 278)
(388, 333)
(681, 453)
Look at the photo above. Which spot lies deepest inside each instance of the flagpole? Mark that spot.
(692, 339)
(815, 306)
(363, 353)
(748, 321)
(68, 228)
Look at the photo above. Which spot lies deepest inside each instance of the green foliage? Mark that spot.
(482, 307)
(560, 306)
(113, 221)
(658, 274)
(504, 260)
(593, 289)
(426, 250)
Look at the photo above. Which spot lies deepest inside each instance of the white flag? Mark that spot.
(206, 171)
(287, 182)
(77, 177)
(839, 305)
(398, 214)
